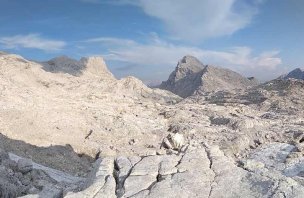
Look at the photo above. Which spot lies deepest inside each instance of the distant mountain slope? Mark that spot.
(191, 76)
(296, 74)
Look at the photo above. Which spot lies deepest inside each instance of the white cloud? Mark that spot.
(111, 41)
(242, 59)
(196, 20)
(160, 54)
(34, 41)
(200, 19)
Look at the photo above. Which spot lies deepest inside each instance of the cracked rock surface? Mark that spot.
(199, 172)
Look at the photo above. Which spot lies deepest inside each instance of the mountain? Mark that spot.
(295, 74)
(86, 65)
(191, 76)
(186, 77)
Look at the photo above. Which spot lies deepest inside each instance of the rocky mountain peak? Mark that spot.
(185, 78)
(300, 69)
(96, 65)
(187, 65)
(189, 60)
(87, 65)
(297, 73)
(191, 76)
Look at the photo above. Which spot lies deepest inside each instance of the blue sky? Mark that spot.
(146, 38)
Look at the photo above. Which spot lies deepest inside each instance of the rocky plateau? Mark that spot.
(71, 129)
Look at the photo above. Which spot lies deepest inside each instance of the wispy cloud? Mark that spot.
(111, 41)
(158, 53)
(34, 41)
(197, 20)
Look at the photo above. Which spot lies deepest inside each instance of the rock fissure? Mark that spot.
(208, 154)
(180, 161)
(120, 181)
(157, 179)
(106, 179)
(89, 134)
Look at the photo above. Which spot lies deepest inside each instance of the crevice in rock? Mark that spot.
(119, 189)
(208, 154)
(106, 179)
(276, 184)
(120, 181)
(158, 176)
(151, 186)
(172, 174)
(181, 159)
(89, 134)
(157, 179)
(97, 155)
(149, 189)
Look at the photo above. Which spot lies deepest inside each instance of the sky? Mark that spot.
(146, 38)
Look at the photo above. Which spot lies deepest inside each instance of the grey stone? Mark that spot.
(25, 165)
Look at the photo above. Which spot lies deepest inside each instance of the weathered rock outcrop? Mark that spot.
(20, 176)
